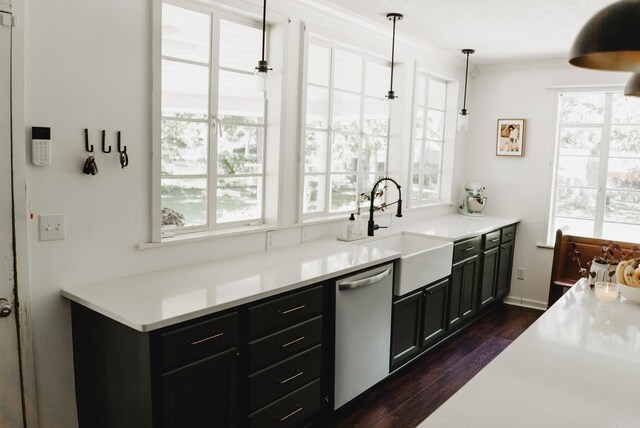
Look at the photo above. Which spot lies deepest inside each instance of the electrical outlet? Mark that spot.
(521, 272)
(270, 238)
(53, 227)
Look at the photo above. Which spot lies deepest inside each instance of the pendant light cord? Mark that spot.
(264, 27)
(466, 77)
(393, 51)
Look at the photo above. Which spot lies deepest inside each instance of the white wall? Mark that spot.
(88, 64)
(521, 186)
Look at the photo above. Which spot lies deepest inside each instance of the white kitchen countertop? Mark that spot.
(158, 299)
(577, 366)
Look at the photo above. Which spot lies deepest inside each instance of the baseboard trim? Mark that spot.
(526, 303)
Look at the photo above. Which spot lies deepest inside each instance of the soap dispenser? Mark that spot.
(351, 228)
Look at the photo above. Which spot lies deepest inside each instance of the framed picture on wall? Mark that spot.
(510, 141)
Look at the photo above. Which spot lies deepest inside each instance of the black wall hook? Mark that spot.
(87, 147)
(120, 149)
(103, 142)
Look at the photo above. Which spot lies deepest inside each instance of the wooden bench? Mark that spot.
(565, 271)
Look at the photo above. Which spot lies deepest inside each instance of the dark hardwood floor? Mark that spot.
(409, 396)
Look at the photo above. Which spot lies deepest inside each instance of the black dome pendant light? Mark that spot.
(610, 40)
(463, 116)
(393, 17)
(263, 66)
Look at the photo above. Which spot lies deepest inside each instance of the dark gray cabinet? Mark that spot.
(464, 286)
(489, 276)
(505, 265)
(405, 328)
(434, 313)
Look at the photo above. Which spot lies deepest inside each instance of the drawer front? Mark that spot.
(285, 311)
(466, 248)
(491, 240)
(290, 410)
(278, 380)
(199, 340)
(508, 233)
(274, 348)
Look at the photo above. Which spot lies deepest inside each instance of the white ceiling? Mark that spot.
(499, 30)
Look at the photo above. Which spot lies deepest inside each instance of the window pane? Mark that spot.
(430, 186)
(185, 90)
(435, 125)
(346, 111)
(317, 107)
(621, 232)
(239, 199)
(622, 206)
(315, 159)
(318, 65)
(184, 148)
(579, 203)
(625, 141)
(343, 192)
(415, 187)
(625, 109)
(378, 76)
(421, 94)
(374, 153)
(348, 71)
(576, 227)
(187, 197)
(365, 183)
(240, 46)
(624, 174)
(578, 171)
(238, 100)
(580, 141)
(240, 150)
(314, 191)
(432, 157)
(437, 94)
(185, 34)
(419, 126)
(376, 120)
(416, 155)
(582, 108)
(344, 153)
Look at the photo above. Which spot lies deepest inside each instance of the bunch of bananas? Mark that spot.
(628, 273)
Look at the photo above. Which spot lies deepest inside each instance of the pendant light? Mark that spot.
(463, 116)
(392, 95)
(610, 39)
(633, 86)
(263, 67)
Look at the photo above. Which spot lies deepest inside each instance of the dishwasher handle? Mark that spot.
(350, 285)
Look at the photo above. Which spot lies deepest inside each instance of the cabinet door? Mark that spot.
(505, 263)
(470, 283)
(405, 329)
(489, 276)
(201, 394)
(434, 312)
(455, 293)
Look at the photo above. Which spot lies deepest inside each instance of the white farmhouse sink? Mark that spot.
(423, 260)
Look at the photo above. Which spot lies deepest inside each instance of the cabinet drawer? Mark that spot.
(491, 240)
(466, 248)
(271, 349)
(508, 233)
(198, 340)
(284, 311)
(290, 410)
(278, 380)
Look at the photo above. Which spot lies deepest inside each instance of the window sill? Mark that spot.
(365, 212)
(186, 238)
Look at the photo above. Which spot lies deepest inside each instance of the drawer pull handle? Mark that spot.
(284, 345)
(469, 249)
(288, 311)
(469, 262)
(494, 240)
(290, 378)
(206, 339)
(509, 234)
(284, 418)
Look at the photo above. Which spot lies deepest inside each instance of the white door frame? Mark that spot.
(21, 216)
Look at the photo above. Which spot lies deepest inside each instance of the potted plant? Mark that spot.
(603, 266)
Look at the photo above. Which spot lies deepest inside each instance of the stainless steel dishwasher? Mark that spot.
(363, 332)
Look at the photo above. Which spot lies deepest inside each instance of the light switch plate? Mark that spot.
(53, 227)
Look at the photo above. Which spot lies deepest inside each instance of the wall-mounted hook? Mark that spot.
(120, 149)
(103, 142)
(87, 147)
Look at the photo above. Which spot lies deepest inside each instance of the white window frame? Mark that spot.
(367, 57)
(603, 161)
(213, 121)
(428, 78)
